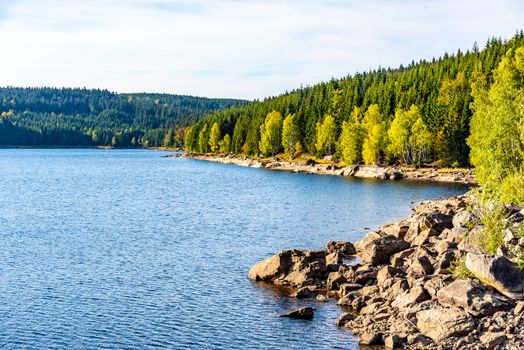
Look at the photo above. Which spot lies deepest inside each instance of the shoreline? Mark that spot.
(439, 175)
(397, 287)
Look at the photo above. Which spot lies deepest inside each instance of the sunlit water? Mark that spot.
(126, 249)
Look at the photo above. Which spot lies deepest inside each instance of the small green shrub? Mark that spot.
(459, 270)
(494, 219)
(520, 262)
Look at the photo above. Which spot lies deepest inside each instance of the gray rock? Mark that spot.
(472, 297)
(305, 313)
(498, 272)
(440, 323)
(464, 218)
(379, 250)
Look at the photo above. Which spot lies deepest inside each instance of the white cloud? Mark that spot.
(231, 48)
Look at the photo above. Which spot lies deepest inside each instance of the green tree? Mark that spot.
(351, 138)
(497, 129)
(168, 139)
(270, 134)
(225, 145)
(326, 136)
(214, 138)
(409, 137)
(203, 139)
(374, 139)
(290, 134)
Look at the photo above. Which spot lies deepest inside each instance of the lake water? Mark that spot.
(126, 249)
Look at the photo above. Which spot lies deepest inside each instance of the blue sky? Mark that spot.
(232, 48)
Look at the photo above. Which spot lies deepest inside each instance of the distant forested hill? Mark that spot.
(82, 117)
(412, 114)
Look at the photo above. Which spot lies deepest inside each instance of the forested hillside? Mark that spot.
(414, 114)
(82, 117)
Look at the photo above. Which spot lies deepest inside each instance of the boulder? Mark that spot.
(422, 266)
(296, 268)
(322, 298)
(393, 341)
(334, 280)
(379, 250)
(304, 313)
(498, 272)
(344, 318)
(305, 292)
(440, 323)
(472, 297)
(370, 338)
(388, 272)
(464, 218)
(492, 340)
(411, 297)
(398, 229)
(344, 248)
(364, 242)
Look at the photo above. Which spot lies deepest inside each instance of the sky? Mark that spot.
(233, 48)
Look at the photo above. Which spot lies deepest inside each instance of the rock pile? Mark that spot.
(401, 292)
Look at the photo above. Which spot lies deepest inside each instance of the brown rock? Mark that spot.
(393, 341)
(379, 250)
(344, 318)
(440, 324)
(294, 267)
(388, 272)
(322, 298)
(344, 248)
(492, 340)
(411, 297)
(370, 338)
(422, 266)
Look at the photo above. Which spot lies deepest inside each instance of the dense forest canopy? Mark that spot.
(414, 114)
(82, 117)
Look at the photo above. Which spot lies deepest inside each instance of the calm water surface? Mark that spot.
(125, 249)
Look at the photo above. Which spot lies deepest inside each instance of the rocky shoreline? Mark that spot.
(396, 286)
(461, 176)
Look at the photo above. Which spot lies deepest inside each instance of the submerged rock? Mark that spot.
(304, 313)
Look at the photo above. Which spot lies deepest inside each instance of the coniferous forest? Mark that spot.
(82, 117)
(411, 115)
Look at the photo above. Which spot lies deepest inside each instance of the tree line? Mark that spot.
(91, 117)
(414, 114)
